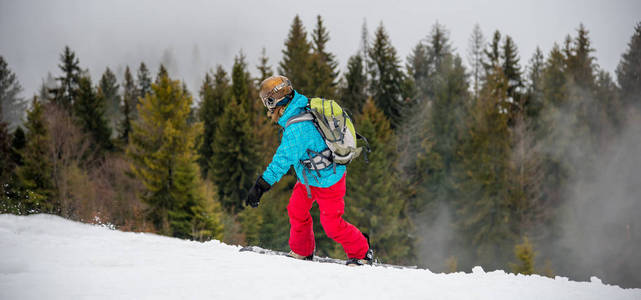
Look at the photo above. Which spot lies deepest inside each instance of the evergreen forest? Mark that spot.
(482, 157)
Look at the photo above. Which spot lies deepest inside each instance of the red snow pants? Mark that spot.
(332, 206)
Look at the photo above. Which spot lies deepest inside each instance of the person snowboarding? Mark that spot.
(306, 146)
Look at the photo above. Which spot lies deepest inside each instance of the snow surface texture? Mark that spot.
(47, 257)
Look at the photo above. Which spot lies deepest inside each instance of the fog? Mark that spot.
(601, 227)
(194, 36)
(598, 229)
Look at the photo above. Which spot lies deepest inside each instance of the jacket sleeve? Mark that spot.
(291, 149)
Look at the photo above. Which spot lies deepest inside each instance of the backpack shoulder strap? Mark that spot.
(304, 116)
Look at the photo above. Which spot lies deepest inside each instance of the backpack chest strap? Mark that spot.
(318, 160)
(316, 163)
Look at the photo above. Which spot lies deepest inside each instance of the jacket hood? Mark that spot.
(296, 106)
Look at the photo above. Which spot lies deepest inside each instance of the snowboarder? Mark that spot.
(326, 186)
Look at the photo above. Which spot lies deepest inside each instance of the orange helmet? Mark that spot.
(274, 91)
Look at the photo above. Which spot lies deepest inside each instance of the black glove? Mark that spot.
(257, 191)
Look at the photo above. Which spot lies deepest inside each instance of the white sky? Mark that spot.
(197, 35)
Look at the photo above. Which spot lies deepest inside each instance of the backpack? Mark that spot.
(337, 129)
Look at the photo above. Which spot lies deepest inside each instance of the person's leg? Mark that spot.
(332, 205)
(301, 233)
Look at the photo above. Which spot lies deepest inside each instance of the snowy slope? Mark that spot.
(47, 257)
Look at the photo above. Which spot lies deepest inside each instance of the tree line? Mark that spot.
(474, 144)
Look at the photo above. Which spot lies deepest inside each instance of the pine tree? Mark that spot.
(47, 90)
(377, 206)
(11, 145)
(251, 221)
(581, 72)
(36, 173)
(128, 108)
(297, 58)
(449, 100)
(527, 177)
(323, 68)
(554, 78)
(241, 83)
(492, 54)
(387, 79)
(68, 82)
(191, 118)
(525, 254)
(18, 143)
(263, 66)
(439, 52)
(214, 95)
(429, 137)
(426, 61)
(163, 152)
(235, 154)
(234, 161)
(365, 45)
(143, 81)
(244, 91)
(483, 208)
(629, 71)
(89, 110)
(609, 111)
(207, 222)
(162, 72)
(354, 93)
(476, 44)
(418, 67)
(554, 83)
(12, 107)
(439, 45)
(580, 62)
(567, 47)
(6, 164)
(435, 136)
(512, 71)
(108, 94)
(533, 99)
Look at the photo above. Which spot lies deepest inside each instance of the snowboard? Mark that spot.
(319, 259)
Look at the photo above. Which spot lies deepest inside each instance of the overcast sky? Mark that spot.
(194, 36)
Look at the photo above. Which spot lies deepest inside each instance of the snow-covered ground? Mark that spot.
(47, 257)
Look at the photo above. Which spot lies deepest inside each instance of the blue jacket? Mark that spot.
(297, 138)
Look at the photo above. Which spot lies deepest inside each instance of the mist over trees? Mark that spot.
(524, 164)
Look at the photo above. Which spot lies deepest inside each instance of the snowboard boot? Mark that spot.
(367, 260)
(293, 254)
